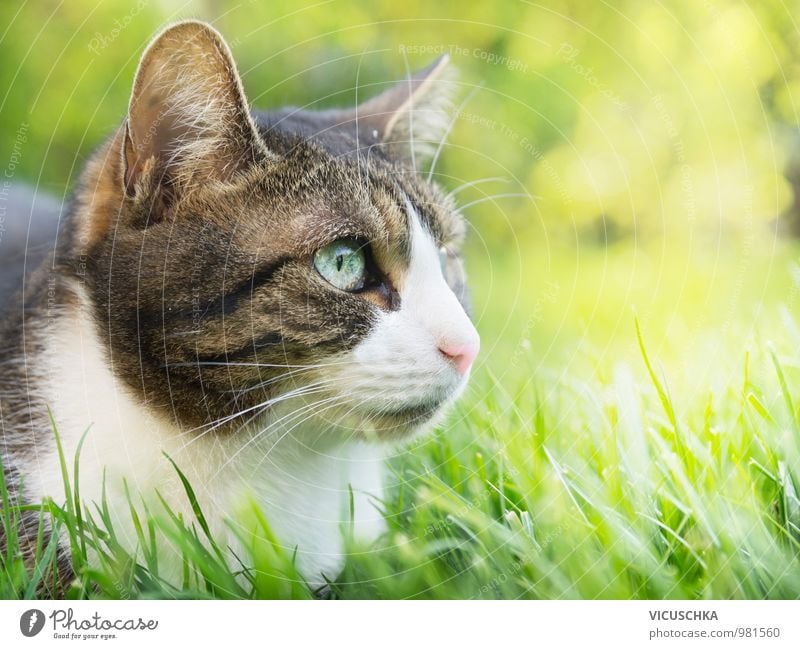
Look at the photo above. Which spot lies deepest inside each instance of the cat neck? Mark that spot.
(302, 472)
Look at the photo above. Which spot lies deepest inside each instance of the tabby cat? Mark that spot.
(273, 300)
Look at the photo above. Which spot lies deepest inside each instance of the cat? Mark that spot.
(274, 300)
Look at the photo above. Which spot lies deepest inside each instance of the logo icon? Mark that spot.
(31, 622)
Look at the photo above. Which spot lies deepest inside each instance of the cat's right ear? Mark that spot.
(188, 121)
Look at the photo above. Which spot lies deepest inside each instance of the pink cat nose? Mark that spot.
(462, 355)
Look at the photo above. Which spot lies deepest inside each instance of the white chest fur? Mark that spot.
(302, 485)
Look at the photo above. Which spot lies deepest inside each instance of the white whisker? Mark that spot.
(293, 414)
(410, 111)
(457, 112)
(475, 183)
(232, 364)
(265, 404)
(495, 197)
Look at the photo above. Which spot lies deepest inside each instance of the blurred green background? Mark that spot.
(616, 162)
(644, 154)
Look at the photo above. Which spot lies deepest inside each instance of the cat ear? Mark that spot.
(410, 119)
(188, 119)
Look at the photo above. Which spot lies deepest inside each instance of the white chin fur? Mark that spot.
(399, 366)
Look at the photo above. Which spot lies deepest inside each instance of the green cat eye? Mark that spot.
(343, 264)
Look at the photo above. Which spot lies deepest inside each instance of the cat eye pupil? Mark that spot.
(342, 264)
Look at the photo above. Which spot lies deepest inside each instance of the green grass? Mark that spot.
(589, 459)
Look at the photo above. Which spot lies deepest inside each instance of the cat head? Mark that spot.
(238, 260)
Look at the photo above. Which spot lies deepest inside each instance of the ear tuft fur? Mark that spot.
(422, 120)
(410, 119)
(188, 118)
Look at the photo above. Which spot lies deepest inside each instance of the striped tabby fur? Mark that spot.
(181, 311)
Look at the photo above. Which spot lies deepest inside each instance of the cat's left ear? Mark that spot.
(409, 119)
(188, 121)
